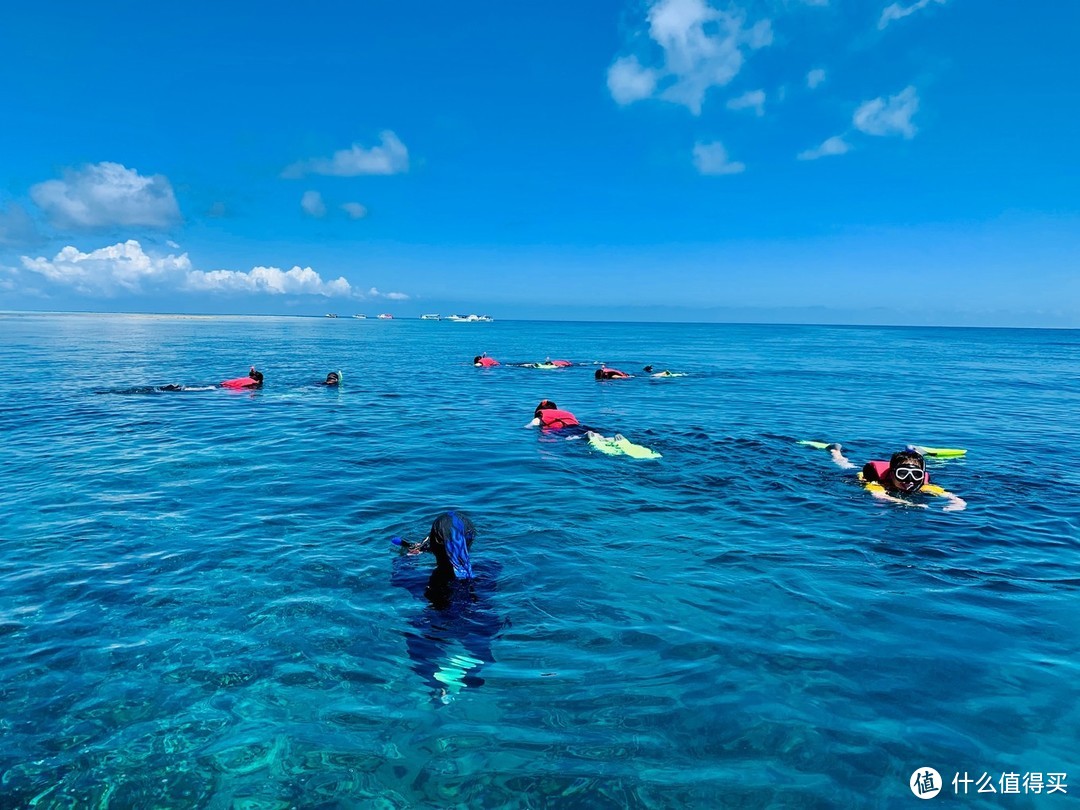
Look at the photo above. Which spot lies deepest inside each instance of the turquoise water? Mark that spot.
(200, 605)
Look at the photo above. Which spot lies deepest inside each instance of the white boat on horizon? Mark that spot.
(472, 319)
(330, 315)
(430, 318)
(360, 317)
(386, 317)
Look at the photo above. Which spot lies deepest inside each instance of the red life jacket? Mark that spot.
(556, 419)
(240, 382)
(561, 363)
(487, 362)
(613, 374)
(881, 470)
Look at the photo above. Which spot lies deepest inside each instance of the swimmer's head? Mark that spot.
(647, 368)
(545, 405)
(907, 469)
(333, 378)
(451, 540)
(599, 374)
(257, 376)
(477, 359)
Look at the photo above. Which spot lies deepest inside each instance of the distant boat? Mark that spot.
(361, 317)
(386, 317)
(486, 319)
(330, 315)
(458, 319)
(429, 318)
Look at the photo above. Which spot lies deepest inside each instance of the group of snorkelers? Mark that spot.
(449, 588)
(602, 373)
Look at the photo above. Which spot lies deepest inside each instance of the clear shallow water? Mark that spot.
(200, 606)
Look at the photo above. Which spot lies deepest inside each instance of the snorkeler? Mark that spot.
(902, 476)
(547, 364)
(605, 373)
(450, 540)
(549, 417)
(483, 361)
(333, 378)
(254, 379)
(664, 373)
(449, 642)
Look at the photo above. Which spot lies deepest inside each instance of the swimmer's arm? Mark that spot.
(416, 548)
(533, 423)
(954, 502)
(837, 455)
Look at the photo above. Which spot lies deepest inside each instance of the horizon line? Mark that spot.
(534, 320)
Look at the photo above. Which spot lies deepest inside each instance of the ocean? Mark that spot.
(200, 603)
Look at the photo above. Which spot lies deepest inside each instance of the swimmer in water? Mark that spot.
(333, 378)
(605, 373)
(254, 379)
(899, 478)
(548, 416)
(450, 641)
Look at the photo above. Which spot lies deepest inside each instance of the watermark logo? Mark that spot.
(925, 783)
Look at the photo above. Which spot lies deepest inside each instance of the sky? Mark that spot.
(802, 161)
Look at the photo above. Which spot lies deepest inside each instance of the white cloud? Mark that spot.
(355, 210)
(712, 158)
(16, 227)
(898, 12)
(836, 145)
(172, 244)
(126, 268)
(391, 157)
(272, 280)
(312, 203)
(891, 116)
(108, 270)
(703, 47)
(393, 296)
(815, 77)
(751, 100)
(628, 81)
(107, 194)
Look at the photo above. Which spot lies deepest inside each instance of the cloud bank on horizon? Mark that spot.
(127, 267)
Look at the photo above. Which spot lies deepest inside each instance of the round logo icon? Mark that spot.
(925, 783)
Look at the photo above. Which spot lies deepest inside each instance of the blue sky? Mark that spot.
(782, 160)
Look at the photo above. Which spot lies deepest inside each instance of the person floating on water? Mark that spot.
(254, 379)
(548, 364)
(549, 418)
(897, 479)
(450, 641)
(483, 361)
(333, 378)
(664, 373)
(605, 373)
